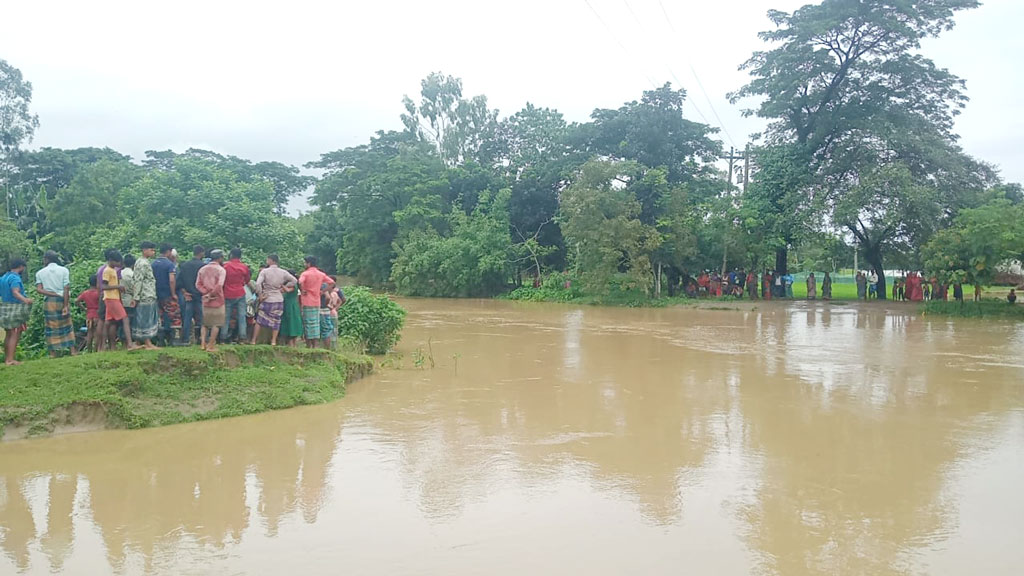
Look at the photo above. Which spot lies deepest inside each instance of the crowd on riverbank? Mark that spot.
(770, 285)
(149, 300)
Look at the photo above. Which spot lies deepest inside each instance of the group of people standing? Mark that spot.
(738, 283)
(152, 299)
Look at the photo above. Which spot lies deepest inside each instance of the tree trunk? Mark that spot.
(874, 257)
(657, 282)
(781, 261)
(725, 256)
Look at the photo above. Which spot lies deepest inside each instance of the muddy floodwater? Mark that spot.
(516, 439)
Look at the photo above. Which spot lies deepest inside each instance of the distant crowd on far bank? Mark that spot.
(149, 300)
(770, 285)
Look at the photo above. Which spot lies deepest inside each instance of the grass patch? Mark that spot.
(983, 309)
(156, 388)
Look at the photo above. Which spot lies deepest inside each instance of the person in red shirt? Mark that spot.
(310, 282)
(236, 276)
(91, 300)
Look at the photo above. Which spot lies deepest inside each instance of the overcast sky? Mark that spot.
(288, 81)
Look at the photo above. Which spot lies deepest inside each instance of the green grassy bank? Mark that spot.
(155, 388)
(983, 309)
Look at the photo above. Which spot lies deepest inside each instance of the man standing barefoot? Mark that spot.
(15, 308)
(210, 283)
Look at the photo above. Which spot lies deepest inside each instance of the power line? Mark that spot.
(617, 41)
(696, 76)
(670, 70)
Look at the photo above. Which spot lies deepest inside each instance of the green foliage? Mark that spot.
(13, 244)
(979, 242)
(17, 123)
(454, 125)
(471, 261)
(185, 200)
(361, 190)
(284, 181)
(599, 215)
(372, 320)
(654, 133)
(553, 289)
(983, 309)
(846, 90)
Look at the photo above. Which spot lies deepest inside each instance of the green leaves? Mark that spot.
(471, 260)
(979, 242)
(370, 319)
(600, 217)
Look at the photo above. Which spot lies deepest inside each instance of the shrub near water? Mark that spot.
(373, 321)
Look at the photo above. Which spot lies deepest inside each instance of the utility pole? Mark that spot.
(732, 158)
(746, 166)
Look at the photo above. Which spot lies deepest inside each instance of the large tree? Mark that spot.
(456, 126)
(17, 123)
(285, 181)
(531, 151)
(845, 66)
(674, 156)
(600, 217)
(361, 190)
(37, 177)
(654, 133)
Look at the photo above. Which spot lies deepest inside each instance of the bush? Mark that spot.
(552, 290)
(372, 320)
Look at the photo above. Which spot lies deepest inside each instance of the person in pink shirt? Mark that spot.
(310, 282)
(210, 283)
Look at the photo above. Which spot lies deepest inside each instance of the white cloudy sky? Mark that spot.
(289, 80)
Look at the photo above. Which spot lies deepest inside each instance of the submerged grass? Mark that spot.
(156, 388)
(983, 309)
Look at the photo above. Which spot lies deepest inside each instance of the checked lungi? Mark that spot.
(147, 321)
(311, 322)
(15, 315)
(59, 330)
(269, 315)
(326, 324)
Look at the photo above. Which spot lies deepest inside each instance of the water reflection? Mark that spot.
(807, 439)
(152, 494)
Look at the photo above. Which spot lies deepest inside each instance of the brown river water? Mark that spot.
(549, 439)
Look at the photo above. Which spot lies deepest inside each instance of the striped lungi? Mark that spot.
(311, 322)
(16, 314)
(147, 321)
(326, 324)
(269, 315)
(58, 330)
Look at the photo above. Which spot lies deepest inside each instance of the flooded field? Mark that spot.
(542, 439)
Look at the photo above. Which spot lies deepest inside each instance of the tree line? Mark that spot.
(859, 153)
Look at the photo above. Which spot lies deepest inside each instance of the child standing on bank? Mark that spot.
(90, 299)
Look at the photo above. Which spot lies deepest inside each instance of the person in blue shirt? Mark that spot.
(167, 293)
(788, 281)
(15, 308)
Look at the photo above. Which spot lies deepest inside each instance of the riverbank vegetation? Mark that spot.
(156, 388)
(859, 162)
(987, 308)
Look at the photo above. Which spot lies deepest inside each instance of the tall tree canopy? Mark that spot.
(847, 72)
(17, 123)
(454, 125)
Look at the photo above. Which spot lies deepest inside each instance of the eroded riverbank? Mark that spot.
(155, 388)
(553, 439)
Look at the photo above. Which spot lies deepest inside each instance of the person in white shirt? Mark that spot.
(53, 282)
